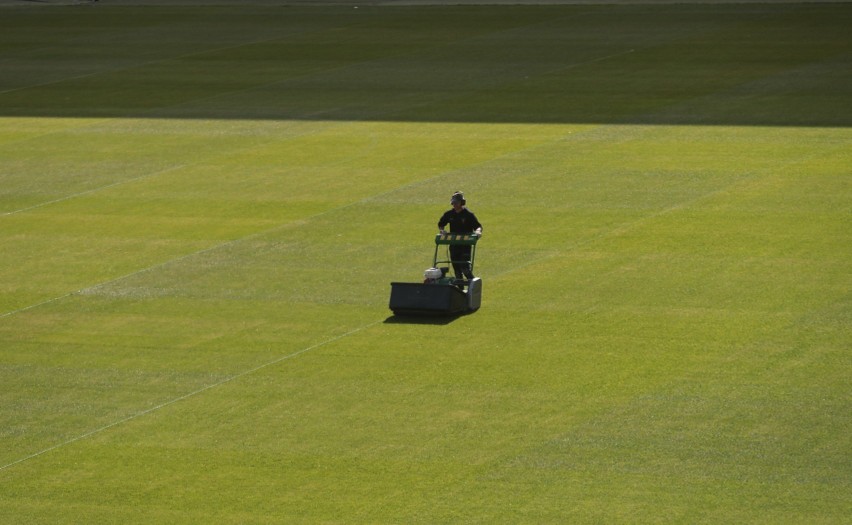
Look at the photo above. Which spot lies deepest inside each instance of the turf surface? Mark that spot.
(201, 209)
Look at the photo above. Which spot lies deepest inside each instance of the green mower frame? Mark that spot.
(442, 295)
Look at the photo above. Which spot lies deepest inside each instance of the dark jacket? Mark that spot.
(463, 222)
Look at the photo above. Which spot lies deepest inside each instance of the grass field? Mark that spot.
(202, 207)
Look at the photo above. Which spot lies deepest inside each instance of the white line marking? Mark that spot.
(93, 190)
(189, 395)
(30, 307)
(206, 250)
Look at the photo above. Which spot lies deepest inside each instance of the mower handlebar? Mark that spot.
(468, 239)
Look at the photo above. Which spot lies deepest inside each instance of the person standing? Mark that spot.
(461, 220)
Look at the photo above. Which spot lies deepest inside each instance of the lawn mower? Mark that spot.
(440, 294)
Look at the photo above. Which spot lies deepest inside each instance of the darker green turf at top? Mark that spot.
(752, 64)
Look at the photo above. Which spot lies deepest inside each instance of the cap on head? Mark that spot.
(458, 197)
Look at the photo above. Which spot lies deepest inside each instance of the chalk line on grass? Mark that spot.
(93, 287)
(93, 190)
(225, 244)
(191, 394)
(36, 305)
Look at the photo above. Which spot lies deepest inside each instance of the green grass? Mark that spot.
(201, 210)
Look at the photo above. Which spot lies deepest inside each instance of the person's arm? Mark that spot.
(477, 227)
(442, 222)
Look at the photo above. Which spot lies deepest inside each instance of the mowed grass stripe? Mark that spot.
(270, 183)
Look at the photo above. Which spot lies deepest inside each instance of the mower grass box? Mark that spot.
(439, 294)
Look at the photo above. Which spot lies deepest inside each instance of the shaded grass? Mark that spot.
(687, 64)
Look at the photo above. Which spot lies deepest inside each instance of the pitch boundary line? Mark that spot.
(191, 394)
(93, 190)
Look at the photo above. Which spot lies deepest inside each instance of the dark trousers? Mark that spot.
(461, 261)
